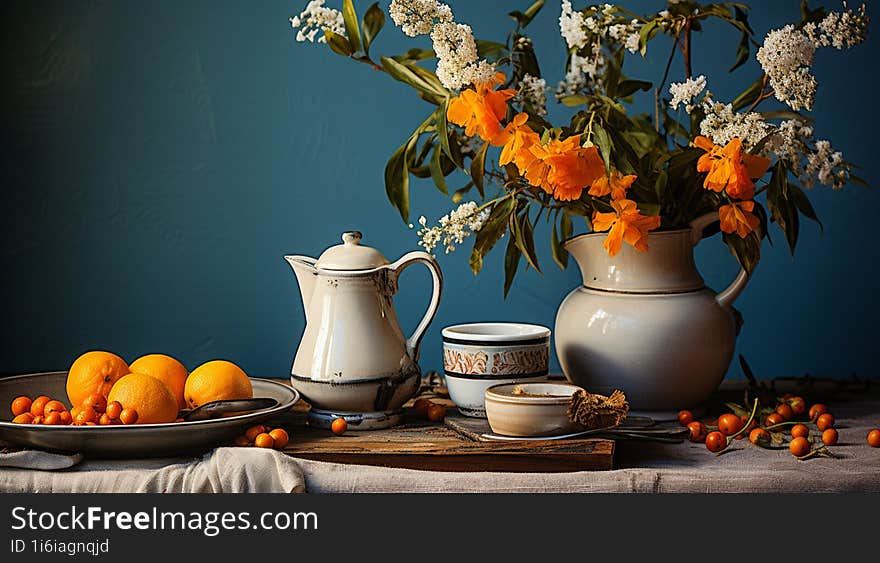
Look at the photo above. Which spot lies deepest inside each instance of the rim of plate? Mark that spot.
(280, 407)
(495, 332)
(495, 393)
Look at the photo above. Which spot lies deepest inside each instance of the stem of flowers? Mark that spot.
(762, 96)
(687, 49)
(660, 87)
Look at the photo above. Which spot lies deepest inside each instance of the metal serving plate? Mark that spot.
(135, 441)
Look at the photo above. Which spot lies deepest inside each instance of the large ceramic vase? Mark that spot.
(645, 322)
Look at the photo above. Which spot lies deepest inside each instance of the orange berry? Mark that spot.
(816, 410)
(86, 414)
(759, 437)
(716, 441)
(66, 418)
(178, 420)
(874, 438)
(39, 404)
(23, 418)
(339, 426)
(52, 419)
(729, 424)
(785, 411)
(800, 430)
(97, 401)
(91, 424)
(264, 441)
(241, 441)
(280, 436)
(685, 417)
(798, 405)
(829, 437)
(105, 420)
(254, 431)
(799, 446)
(114, 409)
(37, 419)
(21, 405)
(54, 406)
(825, 421)
(697, 431)
(128, 416)
(773, 419)
(436, 413)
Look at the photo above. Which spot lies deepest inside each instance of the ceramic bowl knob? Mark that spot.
(352, 237)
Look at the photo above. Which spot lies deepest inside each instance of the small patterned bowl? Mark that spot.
(479, 355)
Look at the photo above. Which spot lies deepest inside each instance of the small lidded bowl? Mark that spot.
(477, 356)
(530, 409)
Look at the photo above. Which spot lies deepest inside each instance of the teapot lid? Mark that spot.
(350, 255)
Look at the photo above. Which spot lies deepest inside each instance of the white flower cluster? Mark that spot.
(788, 53)
(316, 19)
(417, 17)
(810, 160)
(533, 93)
(581, 32)
(452, 228)
(684, 93)
(722, 124)
(458, 63)
(840, 29)
(786, 56)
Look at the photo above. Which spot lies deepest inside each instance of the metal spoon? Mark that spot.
(216, 408)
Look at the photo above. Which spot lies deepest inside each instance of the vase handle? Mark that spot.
(726, 297)
(413, 342)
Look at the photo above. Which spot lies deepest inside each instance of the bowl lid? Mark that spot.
(350, 255)
(538, 393)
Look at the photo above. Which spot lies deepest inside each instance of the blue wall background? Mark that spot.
(160, 157)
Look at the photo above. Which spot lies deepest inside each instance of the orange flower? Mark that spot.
(737, 218)
(729, 168)
(481, 109)
(615, 184)
(626, 224)
(564, 168)
(516, 138)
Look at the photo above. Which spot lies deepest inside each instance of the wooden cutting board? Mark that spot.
(419, 444)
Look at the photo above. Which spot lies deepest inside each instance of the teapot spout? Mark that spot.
(306, 275)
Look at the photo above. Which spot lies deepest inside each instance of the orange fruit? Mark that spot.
(153, 401)
(279, 435)
(21, 405)
(829, 437)
(85, 415)
(105, 420)
(66, 418)
(241, 441)
(264, 441)
(167, 370)
(113, 410)
(39, 404)
(436, 413)
(874, 438)
(825, 421)
(215, 381)
(54, 406)
(37, 420)
(799, 446)
(97, 401)
(339, 426)
(93, 372)
(128, 416)
(23, 418)
(800, 430)
(52, 419)
(254, 431)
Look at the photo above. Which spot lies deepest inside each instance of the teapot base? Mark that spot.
(319, 418)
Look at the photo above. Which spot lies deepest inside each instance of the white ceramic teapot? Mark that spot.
(353, 360)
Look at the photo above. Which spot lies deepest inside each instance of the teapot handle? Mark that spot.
(728, 296)
(414, 341)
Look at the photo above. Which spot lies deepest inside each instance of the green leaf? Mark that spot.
(397, 178)
(742, 52)
(478, 168)
(405, 74)
(747, 251)
(436, 169)
(603, 141)
(660, 184)
(374, 21)
(459, 193)
(648, 31)
(802, 202)
(351, 24)
(338, 43)
(575, 100)
(443, 132)
(511, 263)
(492, 230)
(630, 87)
(490, 50)
(521, 230)
(415, 55)
(783, 211)
(560, 256)
(750, 95)
(525, 18)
